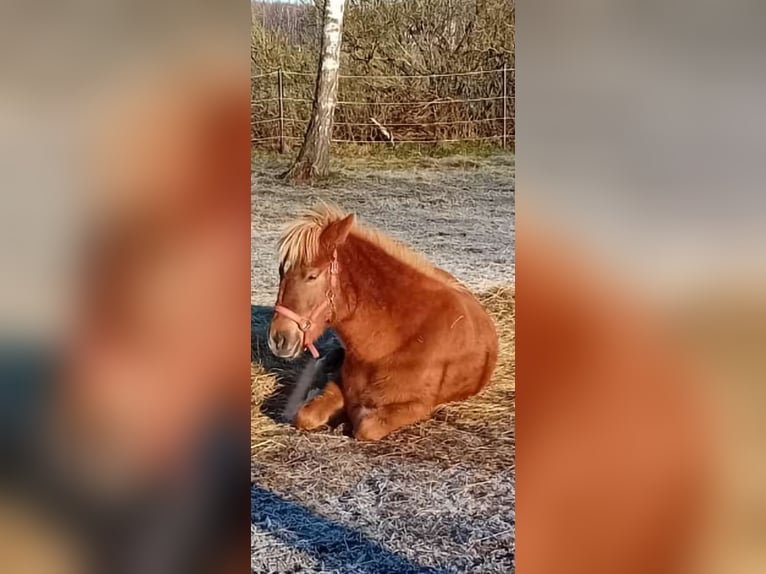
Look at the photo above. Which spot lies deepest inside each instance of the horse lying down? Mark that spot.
(414, 336)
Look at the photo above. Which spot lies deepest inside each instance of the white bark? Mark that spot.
(332, 28)
(314, 157)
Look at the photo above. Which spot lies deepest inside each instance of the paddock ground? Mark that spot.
(458, 211)
(434, 498)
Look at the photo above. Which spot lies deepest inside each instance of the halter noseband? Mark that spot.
(305, 324)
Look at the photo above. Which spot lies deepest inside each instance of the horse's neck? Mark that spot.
(373, 281)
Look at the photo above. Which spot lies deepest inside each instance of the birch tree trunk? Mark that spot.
(314, 157)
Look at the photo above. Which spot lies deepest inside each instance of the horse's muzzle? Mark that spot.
(286, 344)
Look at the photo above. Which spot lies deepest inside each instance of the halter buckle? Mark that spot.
(305, 325)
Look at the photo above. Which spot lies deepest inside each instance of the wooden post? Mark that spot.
(505, 103)
(282, 148)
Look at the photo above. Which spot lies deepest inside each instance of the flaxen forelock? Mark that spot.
(300, 242)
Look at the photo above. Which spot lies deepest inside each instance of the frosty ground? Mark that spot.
(434, 498)
(457, 211)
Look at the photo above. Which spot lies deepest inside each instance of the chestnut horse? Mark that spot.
(414, 336)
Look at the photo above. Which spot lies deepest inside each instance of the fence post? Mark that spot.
(505, 103)
(281, 112)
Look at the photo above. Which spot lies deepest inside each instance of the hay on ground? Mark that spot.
(438, 494)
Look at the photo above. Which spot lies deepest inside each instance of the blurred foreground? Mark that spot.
(640, 142)
(125, 292)
(124, 330)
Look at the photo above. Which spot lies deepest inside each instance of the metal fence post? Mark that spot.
(505, 103)
(281, 112)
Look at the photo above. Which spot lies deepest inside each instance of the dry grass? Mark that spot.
(438, 494)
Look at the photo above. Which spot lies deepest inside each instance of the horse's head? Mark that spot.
(308, 285)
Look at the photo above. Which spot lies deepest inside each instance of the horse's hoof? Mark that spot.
(307, 420)
(369, 430)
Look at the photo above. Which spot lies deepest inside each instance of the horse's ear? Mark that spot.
(337, 232)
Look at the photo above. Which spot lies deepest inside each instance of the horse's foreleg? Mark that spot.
(374, 424)
(321, 408)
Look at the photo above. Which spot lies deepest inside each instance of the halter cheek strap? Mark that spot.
(306, 324)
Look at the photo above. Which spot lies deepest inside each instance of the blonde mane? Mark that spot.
(299, 243)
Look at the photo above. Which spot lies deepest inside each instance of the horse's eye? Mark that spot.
(312, 277)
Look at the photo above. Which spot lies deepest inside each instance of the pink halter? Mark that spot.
(306, 324)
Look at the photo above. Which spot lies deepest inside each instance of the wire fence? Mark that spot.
(474, 106)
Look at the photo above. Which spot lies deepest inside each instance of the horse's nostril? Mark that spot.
(280, 341)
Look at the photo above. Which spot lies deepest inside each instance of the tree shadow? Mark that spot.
(287, 372)
(336, 547)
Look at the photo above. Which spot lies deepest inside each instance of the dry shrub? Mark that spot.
(389, 38)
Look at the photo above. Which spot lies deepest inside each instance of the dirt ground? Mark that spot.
(434, 498)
